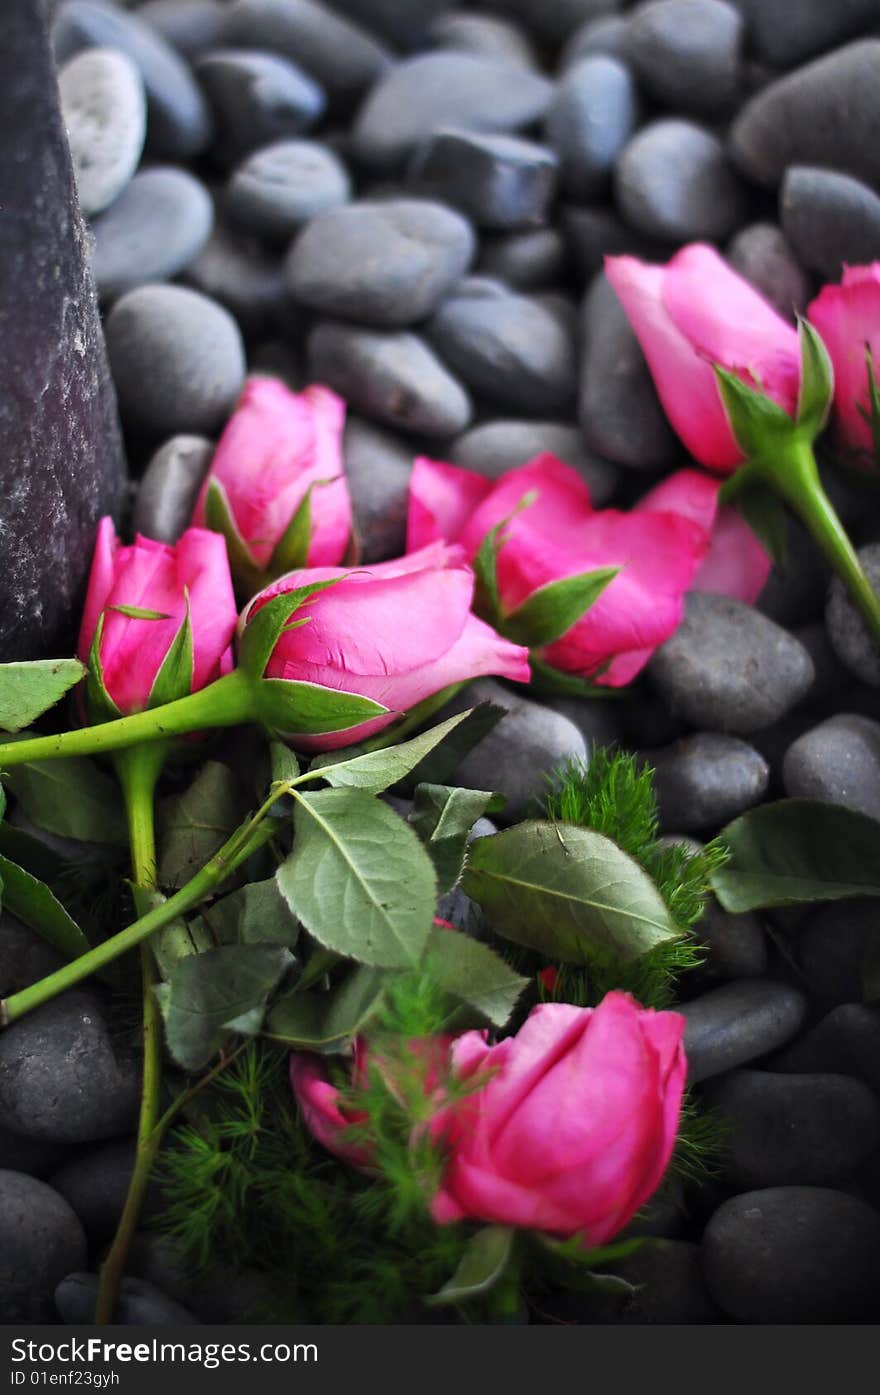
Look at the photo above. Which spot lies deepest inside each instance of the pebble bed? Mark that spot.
(410, 202)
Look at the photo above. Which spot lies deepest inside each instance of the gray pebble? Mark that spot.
(674, 181)
(735, 945)
(831, 944)
(24, 956)
(594, 233)
(381, 264)
(378, 466)
(730, 668)
(762, 254)
(486, 35)
(179, 123)
(847, 1040)
(218, 1294)
(256, 98)
(41, 1240)
(606, 34)
(687, 53)
(705, 780)
(30, 1155)
(830, 219)
(831, 676)
(794, 1255)
(668, 1289)
(506, 347)
(420, 95)
(591, 118)
(794, 1130)
(738, 1023)
(620, 413)
(499, 181)
(785, 32)
(139, 1303)
(839, 761)
(177, 360)
(598, 722)
(95, 1184)
(247, 280)
(391, 378)
(796, 588)
(526, 261)
(155, 229)
(495, 447)
(825, 114)
(555, 20)
(190, 26)
(171, 482)
(849, 635)
(280, 187)
(105, 112)
(404, 26)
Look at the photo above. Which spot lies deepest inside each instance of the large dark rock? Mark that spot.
(61, 459)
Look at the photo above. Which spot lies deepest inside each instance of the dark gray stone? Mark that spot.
(590, 120)
(405, 26)
(500, 182)
(830, 219)
(247, 280)
(620, 412)
(794, 1255)
(674, 181)
(825, 114)
(218, 1294)
(381, 264)
(418, 97)
(598, 722)
(526, 261)
(95, 1185)
(831, 945)
(152, 232)
(495, 447)
(344, 58)
(139, 1304)
(391, 378)
(256, 98)
(105, 115)
(668, 1288)
(554, 20)
(738, 1023)
(736, 946)
(24, 956)
(177, 360)
(785, 32)
(839, 760)
(794, 1130)
(705, 780)
(506, 347)
(796, 589)
(594, 233)
(847, 1040)
(849, 635)
(730, 668)
(41, 1240)
(831, 676)
(61, 459)
(190, 26)
(378, 466)
(171, 482)
(179, 123)
(606, 34)
(764, 257)
(486, 35)
(279, 188)
(687, 53)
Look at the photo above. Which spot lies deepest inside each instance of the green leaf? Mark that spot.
(379, 770)
(31, 853)
(550, 612)
(283, 762)
(764, 511)
(441, 764)
(567, 892)
(209, 992)
(756, 421)
(32, 901)
(473, 974)
(796, 851)
(306, 709)
(443, 817)
(178, 940)
(195, 824)
(359, 879)
(27, 690)
(264, 627)
(255, 914)
(175, 677)
(70, 797)
(328, 1021)
(481, 1267)
(292, 550)
(817, 381)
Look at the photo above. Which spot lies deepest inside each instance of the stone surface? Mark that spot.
(378, 466)
(527, 261)
(785, 32)
(687, 53)
(593, 232)
(190, 26)
(168, 490)
(381, 264)
(738, 1023)
(838, 760)
(177, 360)
(794, 1255)
(486, 35)
(824, 114)
(499, 181)
(831, 220)
(669, 1288)
(24, 956)
(249, 281)
(705, 780)
(95, 1185)
(497, 446)
(762, 254)
(846, 1040)
(736, 946)
(847, 631)
(674, 181)
(831, 944)
(590, 120)
(139, 1305)
(405, 26)
(280, 187)
(391, 378)
(61, 459)
(256, 98)
(729, 667)
(179, 123)
(30, 1155)
(219, 1294)
(554, 20)
(605, 34)
(418, 97)
(795, 592)
(620, 413)
(152, 232)
(41, 1240)
(105, 114)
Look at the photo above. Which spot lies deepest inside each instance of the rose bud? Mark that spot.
(276, 488)
(848, 318)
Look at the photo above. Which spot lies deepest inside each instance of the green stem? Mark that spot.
(229, 702)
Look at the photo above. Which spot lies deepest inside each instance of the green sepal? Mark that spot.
(871, 414)
(264, 627)
(554, 683)
(99, 703)
(306, 709)
(550, 612)
(292, 549)
(817, 382)
(759, 425)
(487, 597)
(218, 517)
(175, 676)
(481, 1267)
(137, 612)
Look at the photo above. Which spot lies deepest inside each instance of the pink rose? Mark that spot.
(694, 312)
(151, 576)
(319, 1102)
(397, 632)
(848, 318)
(276, 447)
(560, 534)
(575, 1125)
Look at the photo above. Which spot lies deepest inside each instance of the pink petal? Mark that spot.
(441, 500)
(100, 584)
(848, 319)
